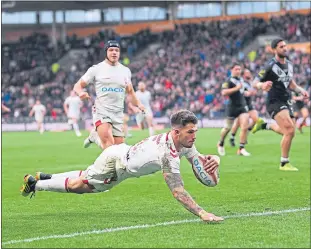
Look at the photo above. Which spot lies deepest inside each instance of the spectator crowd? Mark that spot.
(186, 71)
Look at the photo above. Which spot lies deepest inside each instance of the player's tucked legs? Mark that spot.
(70, 174)
(60, 184)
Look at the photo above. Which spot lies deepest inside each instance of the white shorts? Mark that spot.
(39, 119)
(108, 170)
(73, 115)
(115, 119)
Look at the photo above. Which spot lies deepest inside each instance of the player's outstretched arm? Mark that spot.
(176, 186)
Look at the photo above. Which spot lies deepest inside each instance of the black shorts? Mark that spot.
(234, 112)
(299, 105)
(250, 107)
(276, 106)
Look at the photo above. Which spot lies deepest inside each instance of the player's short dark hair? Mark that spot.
(182, 118)
(234, 64)
(275, 42)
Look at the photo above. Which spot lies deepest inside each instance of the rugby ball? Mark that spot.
(210, 180)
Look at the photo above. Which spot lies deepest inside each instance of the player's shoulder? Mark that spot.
(288, 61)
(123, 67)
(235, 80)
(271, 62)
(98, 65)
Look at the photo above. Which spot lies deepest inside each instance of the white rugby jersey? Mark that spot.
(154, 153)
(144, 98)
(74, 106)
(39, 110)
(110, 82)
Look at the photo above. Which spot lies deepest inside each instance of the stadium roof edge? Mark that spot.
(16, 6)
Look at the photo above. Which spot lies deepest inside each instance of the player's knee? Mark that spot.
(289, 129)
(106, 137)
(74, 185)
(228, 125)
(305, 113)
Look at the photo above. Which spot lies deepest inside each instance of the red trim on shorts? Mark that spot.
(85, 181)
(66, 184)
(80, 172)
(98, 123)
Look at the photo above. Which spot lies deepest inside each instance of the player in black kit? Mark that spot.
(253, 114)
(300, 106)
(277, 79)
(237, 108)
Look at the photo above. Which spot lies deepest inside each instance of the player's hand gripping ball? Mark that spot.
(206, 169)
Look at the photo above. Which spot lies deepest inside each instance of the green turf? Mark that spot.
(247, 185)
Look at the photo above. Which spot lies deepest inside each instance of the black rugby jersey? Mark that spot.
(237, 98)
(281, 76)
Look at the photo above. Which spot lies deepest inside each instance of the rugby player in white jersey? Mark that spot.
(145, 98)
(119, 162)
(112, 80)
(72, 106)
(39, 110)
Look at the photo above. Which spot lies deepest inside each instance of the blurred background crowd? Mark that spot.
(186, 70)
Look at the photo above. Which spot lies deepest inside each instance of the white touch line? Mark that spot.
(168, 223)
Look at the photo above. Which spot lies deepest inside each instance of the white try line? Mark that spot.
(168, 223)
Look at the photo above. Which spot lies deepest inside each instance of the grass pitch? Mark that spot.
(248, 185)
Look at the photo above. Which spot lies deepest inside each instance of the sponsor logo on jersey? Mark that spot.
(200, 170)
(112, 89)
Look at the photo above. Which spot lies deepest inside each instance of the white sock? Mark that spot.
(96, 139)
(70, 174)
(284, 159)
(53, 185)
(76, 129)
(151, 132)
(41, 130)
(268, 126)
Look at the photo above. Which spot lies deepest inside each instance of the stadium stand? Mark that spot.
(186, 71)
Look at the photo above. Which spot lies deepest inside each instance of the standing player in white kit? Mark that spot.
(72, 106)
(145, 97)
(119, 162)
(112, 80)
(39, 110)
